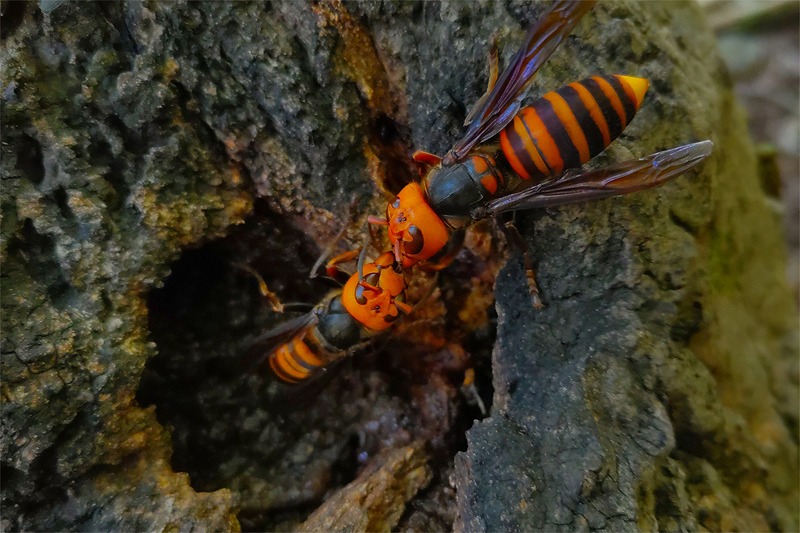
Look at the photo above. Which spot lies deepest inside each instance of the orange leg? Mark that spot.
(493, 63)
(369, 287)
(421, 156)
(426, 160)
(351, 216)
(271, 297)
(469, 390)
(404, 307)
(513, 235)
(332, 266)
(493, 70)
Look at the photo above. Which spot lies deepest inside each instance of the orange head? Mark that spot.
(375, 296)
(415, 230)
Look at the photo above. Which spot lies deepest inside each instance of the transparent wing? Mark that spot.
(283, 398)
(265, 344)
(613, 180)
(497, 107)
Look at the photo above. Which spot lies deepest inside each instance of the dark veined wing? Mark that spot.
(288, 340)
(285, 398)
(612, 180)
(500, 104)
(265, 344)
(279, 396)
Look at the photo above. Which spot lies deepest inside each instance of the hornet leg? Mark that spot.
(512, 234)
(469, 390)
(424, 161)
(332, 266)
(493, 63)
(272, 298)
(328, 250)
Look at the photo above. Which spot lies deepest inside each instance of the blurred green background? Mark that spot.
(760, 42)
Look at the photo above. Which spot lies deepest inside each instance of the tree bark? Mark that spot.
(149, 148)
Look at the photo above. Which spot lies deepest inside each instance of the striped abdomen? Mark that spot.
(333, 334)
(295, 360)
(566, 128)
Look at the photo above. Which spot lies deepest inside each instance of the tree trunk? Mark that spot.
(151, 148)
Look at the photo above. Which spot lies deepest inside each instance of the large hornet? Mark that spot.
(346, 320)
(544, 144)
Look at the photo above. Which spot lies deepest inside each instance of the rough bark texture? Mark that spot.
(375, 501)
(658, 389)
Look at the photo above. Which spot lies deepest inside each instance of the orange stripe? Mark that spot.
(304, 352)
(628, 91)
(286, 363)
(489, 183)
(544, 141)
(480, 164)
(511, 157)
(594, 111)
(612, 96)
(570, 123)
(530, 149)
(276, 369)
(293, 364)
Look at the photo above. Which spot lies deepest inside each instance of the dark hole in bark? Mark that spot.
(282, 465)
(29, 158)
(11, 16)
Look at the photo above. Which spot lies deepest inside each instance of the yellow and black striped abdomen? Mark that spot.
(296, 360)
(566, 128)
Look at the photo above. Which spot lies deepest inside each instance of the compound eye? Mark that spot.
(414, 246)
(396, 203)
(373, 279)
